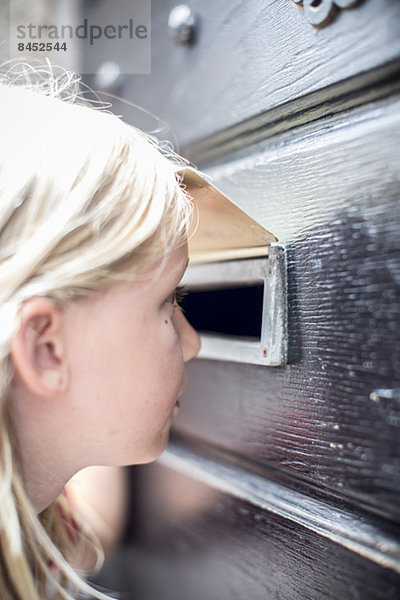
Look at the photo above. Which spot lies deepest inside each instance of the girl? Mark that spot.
(92, 343)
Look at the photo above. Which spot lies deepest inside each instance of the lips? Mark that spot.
(175, 409)
(181, 391)
(183, 387)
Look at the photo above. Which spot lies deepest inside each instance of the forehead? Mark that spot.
(168, 271)
(176, 263)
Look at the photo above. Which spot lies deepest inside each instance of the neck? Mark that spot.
(43, 486)
(45, 472)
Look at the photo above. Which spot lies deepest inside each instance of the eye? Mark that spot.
(177, 296)
(180, 293)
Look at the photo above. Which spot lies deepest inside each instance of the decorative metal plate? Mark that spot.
(320, 12)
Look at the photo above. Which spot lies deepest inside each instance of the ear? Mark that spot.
(38, 351)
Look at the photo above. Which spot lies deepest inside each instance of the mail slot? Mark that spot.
(236, 281)
(239, 308)
(233, 309)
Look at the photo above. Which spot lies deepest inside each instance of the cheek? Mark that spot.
(167, 369)
(137, 364)
(167, 332)
(168, 351)
(152, 362)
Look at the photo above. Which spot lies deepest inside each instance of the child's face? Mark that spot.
(127, 348)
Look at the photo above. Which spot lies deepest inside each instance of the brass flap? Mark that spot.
(220, 230)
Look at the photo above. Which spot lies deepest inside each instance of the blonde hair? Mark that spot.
(83, 196)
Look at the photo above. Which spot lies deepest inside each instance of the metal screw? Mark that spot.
(182, 24)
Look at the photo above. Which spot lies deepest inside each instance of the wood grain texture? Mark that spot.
(197, 543)
(344, 523)
(333, 198)
(249, 57)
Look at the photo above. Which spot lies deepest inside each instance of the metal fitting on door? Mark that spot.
(182, 24)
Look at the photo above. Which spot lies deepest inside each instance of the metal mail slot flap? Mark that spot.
(220, 230)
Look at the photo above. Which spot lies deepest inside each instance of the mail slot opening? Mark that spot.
(230, 311)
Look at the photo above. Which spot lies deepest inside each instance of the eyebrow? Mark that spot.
(183, 271)
(180, 273)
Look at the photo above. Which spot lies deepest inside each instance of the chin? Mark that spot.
(153, 453)
(157, 452)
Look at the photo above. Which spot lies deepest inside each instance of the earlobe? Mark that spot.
(38, 349)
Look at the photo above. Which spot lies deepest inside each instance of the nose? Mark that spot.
(190, 340)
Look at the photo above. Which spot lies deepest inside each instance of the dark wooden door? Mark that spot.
(283, 482)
